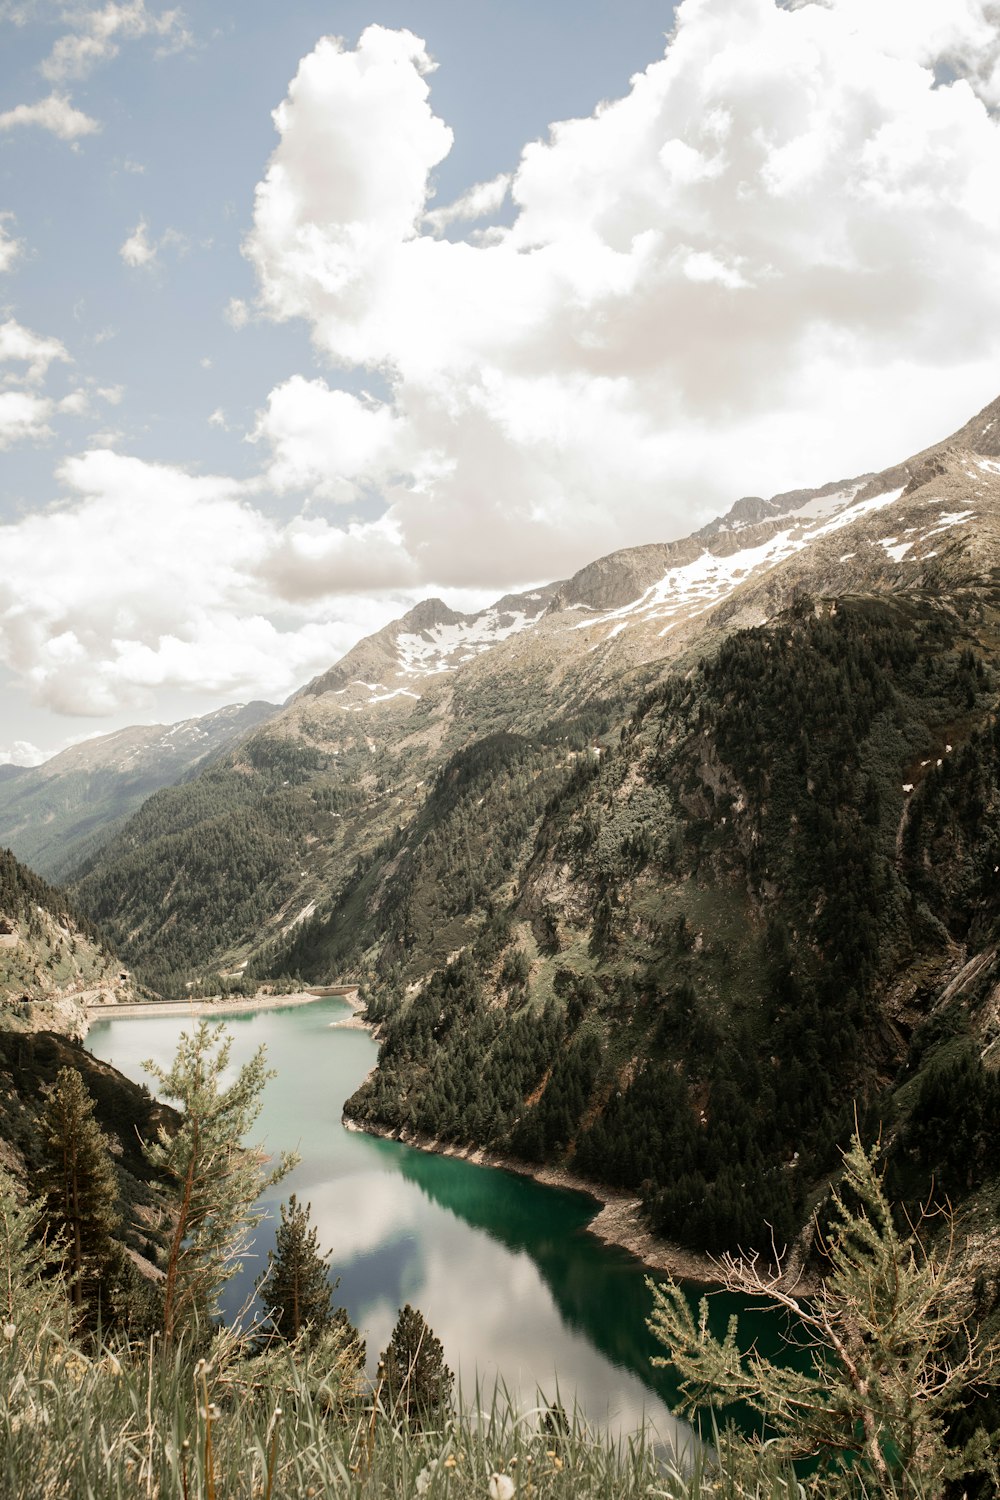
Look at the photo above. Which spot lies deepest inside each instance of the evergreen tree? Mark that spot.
(33, 1306)
(216, 1178)
(296, 1282)
(81, 1191)
(412, 1371)
(895, 1353)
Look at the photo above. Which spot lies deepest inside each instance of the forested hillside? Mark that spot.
(57, 814)
(665, 882)
(734, 924)
(52, 958)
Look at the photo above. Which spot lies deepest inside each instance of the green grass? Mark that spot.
(121, 1423)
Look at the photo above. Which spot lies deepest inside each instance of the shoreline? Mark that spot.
(618, 1220)
(226, 1005)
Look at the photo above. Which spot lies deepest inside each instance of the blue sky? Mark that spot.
(262, 389)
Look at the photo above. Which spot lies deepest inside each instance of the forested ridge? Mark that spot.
(674, 944)
(732, 930)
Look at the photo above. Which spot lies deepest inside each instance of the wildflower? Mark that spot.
(9, 1330)
(451, 1461)
(425, 1476)
(500, 1487)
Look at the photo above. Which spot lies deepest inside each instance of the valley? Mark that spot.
(658, 881)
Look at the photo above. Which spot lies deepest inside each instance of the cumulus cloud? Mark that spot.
(23, 753)
(964, 34)
(55, 113)
(97, 36)
(138, 250)
(33, 351)
(24, 417)
(147, 578)
(324, 440)
(141, 252)
(479, 202)
(236, 313)
(25, 410)
(10, 248)
(775, 260)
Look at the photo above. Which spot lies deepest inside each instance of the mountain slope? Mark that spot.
(281, 831)
(52, 961)
(774, 895)
(54, 814)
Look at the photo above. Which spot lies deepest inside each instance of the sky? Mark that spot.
(309, 311)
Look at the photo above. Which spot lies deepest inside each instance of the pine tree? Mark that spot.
(81, 1191)
(896, 1352)
(33, 1304)
(296, 1284)
(416, 1381)
(216, 1178)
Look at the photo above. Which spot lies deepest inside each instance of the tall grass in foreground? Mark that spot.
(123, 1424)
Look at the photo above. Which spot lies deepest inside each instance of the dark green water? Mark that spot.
(502, 1268)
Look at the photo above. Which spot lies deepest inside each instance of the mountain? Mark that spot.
(54, 814)
(265, 837)
(429, 639)
(660, 883)
(52, 961)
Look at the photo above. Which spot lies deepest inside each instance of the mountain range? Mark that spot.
(661, 872)
(51, 815)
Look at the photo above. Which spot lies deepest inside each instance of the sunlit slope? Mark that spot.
(52, 961)
(286, 828)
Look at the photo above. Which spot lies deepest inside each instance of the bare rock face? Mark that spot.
(623, 577)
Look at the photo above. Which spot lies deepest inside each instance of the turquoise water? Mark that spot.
(501, 1267)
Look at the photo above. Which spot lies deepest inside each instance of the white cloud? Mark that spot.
(10, 248)
(141, 252)
(138, 250)
(964, 34)
(76, 404)
(147, 578)
(483, 199)
(236, 313)
(23, 753)
(323, 440)
(98, 35)
(24, 417)
(775, 261)
(25, 357)
(18, 345)
(54, 113)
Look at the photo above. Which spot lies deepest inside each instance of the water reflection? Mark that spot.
(500, 1266)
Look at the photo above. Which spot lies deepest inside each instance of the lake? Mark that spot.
(501, 1267)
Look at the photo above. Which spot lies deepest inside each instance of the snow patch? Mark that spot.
(896, 550)
(396, 693)
(443, 648)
